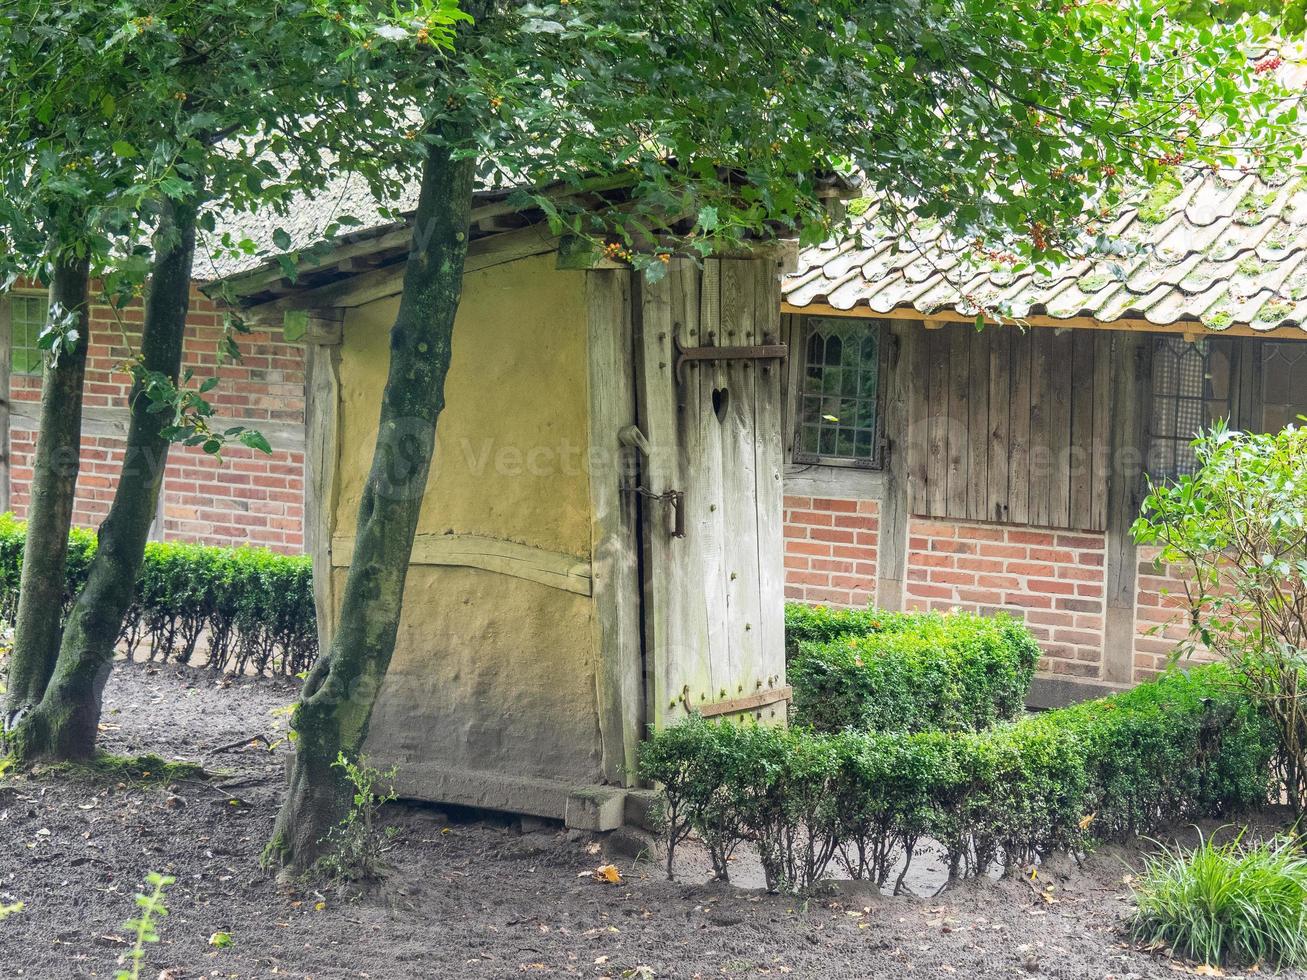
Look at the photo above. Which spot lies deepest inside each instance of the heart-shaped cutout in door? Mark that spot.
(720, 400)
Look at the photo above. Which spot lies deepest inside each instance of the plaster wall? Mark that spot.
(492, 671)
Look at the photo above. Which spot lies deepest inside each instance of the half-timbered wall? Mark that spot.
(1013, 468)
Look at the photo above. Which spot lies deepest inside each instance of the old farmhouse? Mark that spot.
(632, 477)
(933, 465)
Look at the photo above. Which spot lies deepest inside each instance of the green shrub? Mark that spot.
(806, 624)
(1189, 744)
(1226, 904)
(1234, 531)
(251, 608)
(874, 671)
(1185, 746)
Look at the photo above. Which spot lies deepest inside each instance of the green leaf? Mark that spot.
(124, 150)
(255, 440)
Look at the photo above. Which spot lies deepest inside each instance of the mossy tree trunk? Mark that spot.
(50, 510)
(336, 703)
(63, 725)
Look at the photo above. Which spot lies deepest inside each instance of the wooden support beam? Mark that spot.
(940, 317)
(324, 330)
(615, 526)
(1127, 441)
(322, 433)
(389, 280)
(554, 569)
(900, 338)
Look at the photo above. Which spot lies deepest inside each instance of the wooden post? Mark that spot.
(1128, 427)
(902, 339)
(322, 340)
(614, 555)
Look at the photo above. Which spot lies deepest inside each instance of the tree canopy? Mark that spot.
(997, 119)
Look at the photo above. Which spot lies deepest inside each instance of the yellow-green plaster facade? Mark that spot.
(492, 671)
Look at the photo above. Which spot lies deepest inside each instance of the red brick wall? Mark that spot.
(247, 497)
(1054, 580)
(1161, 615)
(830, 550)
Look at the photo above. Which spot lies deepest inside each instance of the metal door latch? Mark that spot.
(674, 497)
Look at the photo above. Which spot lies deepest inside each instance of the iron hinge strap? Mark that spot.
(756, 352)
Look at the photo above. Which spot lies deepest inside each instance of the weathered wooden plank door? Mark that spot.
(712, 574)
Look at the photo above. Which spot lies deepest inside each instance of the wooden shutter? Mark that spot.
(1010, 426)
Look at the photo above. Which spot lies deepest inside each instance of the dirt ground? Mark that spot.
(470, 895)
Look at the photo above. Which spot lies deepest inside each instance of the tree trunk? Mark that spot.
(336, 703)
(50, 510)
(63, 726)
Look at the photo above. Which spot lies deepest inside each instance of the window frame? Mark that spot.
(7, 310)
(799, 352)
(1264, 352)
(1246, 395)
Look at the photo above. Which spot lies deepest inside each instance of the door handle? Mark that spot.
(630, 435)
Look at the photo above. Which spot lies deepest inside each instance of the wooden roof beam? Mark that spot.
(1130, 324)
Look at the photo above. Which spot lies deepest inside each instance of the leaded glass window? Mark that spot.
(1191, 391)
(1284, 384)
(839, 392)
(26, 321)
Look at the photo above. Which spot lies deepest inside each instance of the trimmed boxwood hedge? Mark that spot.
(1185, 746)
(242, 608)
(871, 670)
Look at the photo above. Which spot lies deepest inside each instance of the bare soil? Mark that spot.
(470, 895)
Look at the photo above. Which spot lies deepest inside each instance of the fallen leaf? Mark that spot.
(608, 873)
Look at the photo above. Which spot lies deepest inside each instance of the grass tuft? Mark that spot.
(1231, 904)
(130, 769)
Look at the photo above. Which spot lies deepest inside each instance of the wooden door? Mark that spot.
(713, 578)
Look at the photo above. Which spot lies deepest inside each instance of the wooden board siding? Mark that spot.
(1015, 426)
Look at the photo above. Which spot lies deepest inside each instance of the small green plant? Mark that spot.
(357, 847)
(7, 910)
(143, 927)
(1226, 904)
